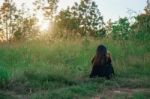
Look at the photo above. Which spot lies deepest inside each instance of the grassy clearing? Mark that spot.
(60, 69)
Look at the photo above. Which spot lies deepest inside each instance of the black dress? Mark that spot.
(102, 70)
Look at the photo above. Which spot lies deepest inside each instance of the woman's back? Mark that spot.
(101, 62)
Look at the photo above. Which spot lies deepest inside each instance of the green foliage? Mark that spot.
(101, 33)
(147, 8)
(65, 23)
(141, 28)
(47, 7)
(15, 23)
(18, 34)
(83, 18)
(60, 69)
(121, 29)
(4, 77)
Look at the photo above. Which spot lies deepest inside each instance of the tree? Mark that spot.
(66, 23)
(147, 8)
(15, 23)
(141, 27)
(121, 29)
(7, 17)
(109, 27)
(89, 16)
(47, 7)
(25, 29)
(83, 18)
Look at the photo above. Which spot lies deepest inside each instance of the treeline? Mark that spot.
(80, 20)
(20, 23)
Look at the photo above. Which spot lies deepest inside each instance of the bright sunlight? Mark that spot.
(43, 24)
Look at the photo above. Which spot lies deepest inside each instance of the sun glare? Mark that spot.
(43, 24)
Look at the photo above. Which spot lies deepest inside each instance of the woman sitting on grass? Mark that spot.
(102, 66)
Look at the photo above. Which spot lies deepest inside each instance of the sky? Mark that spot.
(110, 9)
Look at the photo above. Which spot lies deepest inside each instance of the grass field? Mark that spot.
(60, 70)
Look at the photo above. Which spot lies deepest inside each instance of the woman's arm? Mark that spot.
(108, 58)
(93, 60)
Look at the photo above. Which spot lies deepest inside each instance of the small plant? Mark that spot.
(4, 77)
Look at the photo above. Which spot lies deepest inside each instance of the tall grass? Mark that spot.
(60, 69)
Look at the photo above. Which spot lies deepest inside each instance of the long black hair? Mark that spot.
(101, 55)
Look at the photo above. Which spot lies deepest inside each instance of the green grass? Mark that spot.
(60, 69)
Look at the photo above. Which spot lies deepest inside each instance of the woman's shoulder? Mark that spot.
(108, 58)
